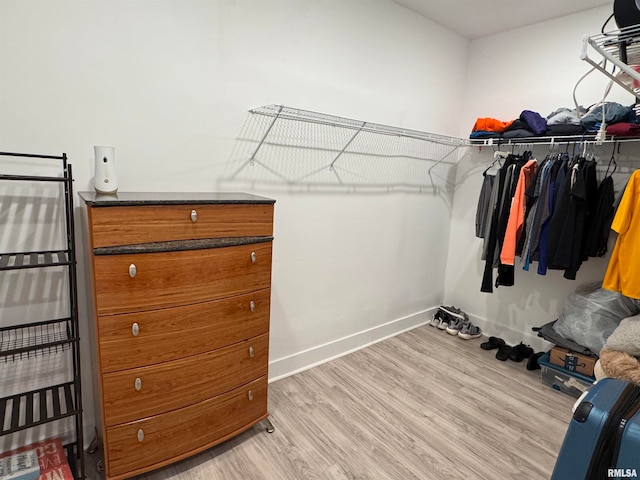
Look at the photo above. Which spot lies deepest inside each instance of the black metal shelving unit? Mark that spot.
(39, 338)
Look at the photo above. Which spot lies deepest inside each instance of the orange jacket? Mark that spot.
(490, 125)
(516, 214)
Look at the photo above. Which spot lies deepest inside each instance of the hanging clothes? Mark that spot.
(515, 224)
(493, 202)
(622, 274)
(505, 208)
(505, 272)
(484, 204)
(569, 224)
(543, 212)
(492, 238)
(598, 236)
(536, 213)
(543, 248)
(583, 194)
(554, 214)
(561, 227)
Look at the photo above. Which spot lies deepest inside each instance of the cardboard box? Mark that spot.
(574, 362)
(51, 460)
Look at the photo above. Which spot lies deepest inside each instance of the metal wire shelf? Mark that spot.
(620, 49)
(298, 146)
(35, 339)
(296, 114)
(549, 140)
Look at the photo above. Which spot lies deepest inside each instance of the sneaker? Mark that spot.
(469, 331)
(454, 312)
(445, 320)
(435, 321)
(457, 325)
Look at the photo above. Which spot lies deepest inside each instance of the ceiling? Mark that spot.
(477, 18)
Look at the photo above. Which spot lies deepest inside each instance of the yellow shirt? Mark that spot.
(623, 272)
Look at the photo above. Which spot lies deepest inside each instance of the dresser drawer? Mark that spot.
(162, 438)
(170, 333)
(127, 225)
(145, 281)
(142, 392)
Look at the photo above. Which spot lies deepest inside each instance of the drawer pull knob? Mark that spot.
(254, 257)
(251, 352)
(135, 329)
(140, 435)
(132, 270)
(194, 216)
(138, 384)
(250, 395)
(252, 306)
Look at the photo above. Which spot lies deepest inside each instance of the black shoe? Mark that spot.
(532, 363)
(520, 352)
(503, 353)
(492, 344)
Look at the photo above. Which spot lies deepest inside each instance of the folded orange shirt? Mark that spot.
(490, 125)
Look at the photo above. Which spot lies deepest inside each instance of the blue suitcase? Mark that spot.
(603, 438)
(627, 445)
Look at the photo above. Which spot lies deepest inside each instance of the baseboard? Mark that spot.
(300, 361)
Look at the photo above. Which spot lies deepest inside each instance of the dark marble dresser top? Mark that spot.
(168, 198)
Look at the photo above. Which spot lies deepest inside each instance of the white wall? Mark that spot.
(533, 68)
(169, 85)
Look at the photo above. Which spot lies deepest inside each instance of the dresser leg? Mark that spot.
(270, 427)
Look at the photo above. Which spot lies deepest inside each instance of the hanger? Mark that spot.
(497, 156)
(612, 160)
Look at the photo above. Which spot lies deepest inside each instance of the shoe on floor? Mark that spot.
(492, 343)
(503, 353)
(444, 320)
(457, 325)
(520, 352)
(469, 331)
(454, 312)
(435, 321)
(532, 363)
(444, 324)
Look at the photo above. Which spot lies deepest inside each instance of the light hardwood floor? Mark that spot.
(422, 405)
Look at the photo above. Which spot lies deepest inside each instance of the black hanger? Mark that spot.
(496, 158)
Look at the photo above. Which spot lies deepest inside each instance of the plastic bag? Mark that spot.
(591, 314)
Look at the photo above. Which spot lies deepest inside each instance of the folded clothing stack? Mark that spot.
(620, 121)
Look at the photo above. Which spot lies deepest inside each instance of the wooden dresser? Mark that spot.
(181, 287)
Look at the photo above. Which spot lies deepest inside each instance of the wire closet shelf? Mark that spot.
(619, 49)
(298, 146)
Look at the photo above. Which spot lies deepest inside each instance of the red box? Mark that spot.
(51, 458)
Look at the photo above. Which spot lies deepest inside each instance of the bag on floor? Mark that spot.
(603, 438)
